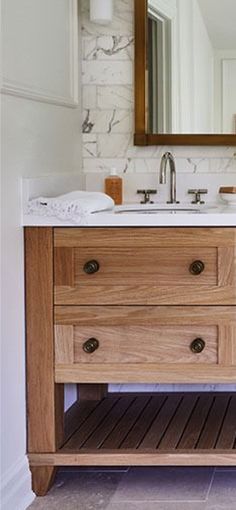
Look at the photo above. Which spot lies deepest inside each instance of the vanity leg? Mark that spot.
(92, 391)
(42, 479)
(45, 399)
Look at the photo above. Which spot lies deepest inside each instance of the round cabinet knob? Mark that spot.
(90, 345)
(91, 267)
(197, 345)
(197, 267)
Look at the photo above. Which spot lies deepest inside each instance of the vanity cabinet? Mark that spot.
(129, 305)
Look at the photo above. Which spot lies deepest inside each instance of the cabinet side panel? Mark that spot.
(39, 339)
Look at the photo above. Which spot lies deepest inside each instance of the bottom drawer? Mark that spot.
(136, 344)
(124, 337)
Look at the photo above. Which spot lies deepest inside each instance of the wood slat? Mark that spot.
(158, 427)
(148, 429)
(97, 438)
(177, 426)
(138, 432)
(125, 425)
(76, 415)
(228, 433)
(214, 421)
(193, 430)
(137, 429)
(93, 422)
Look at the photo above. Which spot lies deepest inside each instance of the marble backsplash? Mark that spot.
(108, 107)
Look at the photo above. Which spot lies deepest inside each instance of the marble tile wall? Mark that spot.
(108, 107)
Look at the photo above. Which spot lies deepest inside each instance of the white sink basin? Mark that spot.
(163, 209)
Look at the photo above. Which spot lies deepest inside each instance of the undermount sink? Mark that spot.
(161, 209)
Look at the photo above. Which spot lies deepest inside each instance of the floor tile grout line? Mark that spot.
(210, 484)
(166, 501)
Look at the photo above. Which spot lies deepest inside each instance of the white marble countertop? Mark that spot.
(212, 216)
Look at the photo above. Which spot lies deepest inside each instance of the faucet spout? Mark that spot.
(168, 157)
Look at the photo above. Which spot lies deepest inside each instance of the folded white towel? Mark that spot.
(75, 206)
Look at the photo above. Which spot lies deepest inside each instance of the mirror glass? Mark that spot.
(192, 66)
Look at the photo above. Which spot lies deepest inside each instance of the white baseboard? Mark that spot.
(16, 493)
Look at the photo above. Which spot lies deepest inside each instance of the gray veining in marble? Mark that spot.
(106, 47)
(107, 121)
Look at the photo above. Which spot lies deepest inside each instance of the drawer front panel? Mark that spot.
(135, 273)
(136, 344)
(144, 335)
(154, 266)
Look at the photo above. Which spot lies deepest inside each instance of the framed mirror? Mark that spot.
(185, 72)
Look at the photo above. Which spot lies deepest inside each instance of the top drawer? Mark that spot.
(144, 266)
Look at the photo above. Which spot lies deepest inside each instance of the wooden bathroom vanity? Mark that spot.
(129, 305)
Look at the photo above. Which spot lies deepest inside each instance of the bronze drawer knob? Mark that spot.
(197, 345)
(197, 267)
(90, 345)
(90, 267)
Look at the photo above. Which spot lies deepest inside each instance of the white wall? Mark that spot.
(229, 95)
(196, 73)
(225, 87)
(40, 135)
(203, 71)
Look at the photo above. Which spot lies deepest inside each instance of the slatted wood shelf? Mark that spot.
(142, 429)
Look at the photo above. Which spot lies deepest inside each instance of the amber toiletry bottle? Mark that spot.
(114, 187)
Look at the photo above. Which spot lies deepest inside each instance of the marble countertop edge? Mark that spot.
(220, 218)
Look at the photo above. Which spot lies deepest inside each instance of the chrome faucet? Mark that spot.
(168, 157)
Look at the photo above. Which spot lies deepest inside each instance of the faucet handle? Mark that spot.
(146, 193)
(198, 193)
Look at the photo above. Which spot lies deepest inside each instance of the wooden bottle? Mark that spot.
(114, 187)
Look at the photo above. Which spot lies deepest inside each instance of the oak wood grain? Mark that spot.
(140, 7)
(141, 136)
(131, 457)
(42, 478)
(145, 237)
(145, 373)
(143, 315)
(150, 266)
(44, 401)
(147, 266)
(138, 344)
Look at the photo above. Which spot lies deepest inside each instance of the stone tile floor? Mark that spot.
(157, 488)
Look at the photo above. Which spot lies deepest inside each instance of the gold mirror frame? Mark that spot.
(141, 136)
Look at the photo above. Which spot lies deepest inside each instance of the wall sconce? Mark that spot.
(101, 11)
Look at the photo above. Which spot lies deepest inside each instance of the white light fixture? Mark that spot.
(101, 11)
